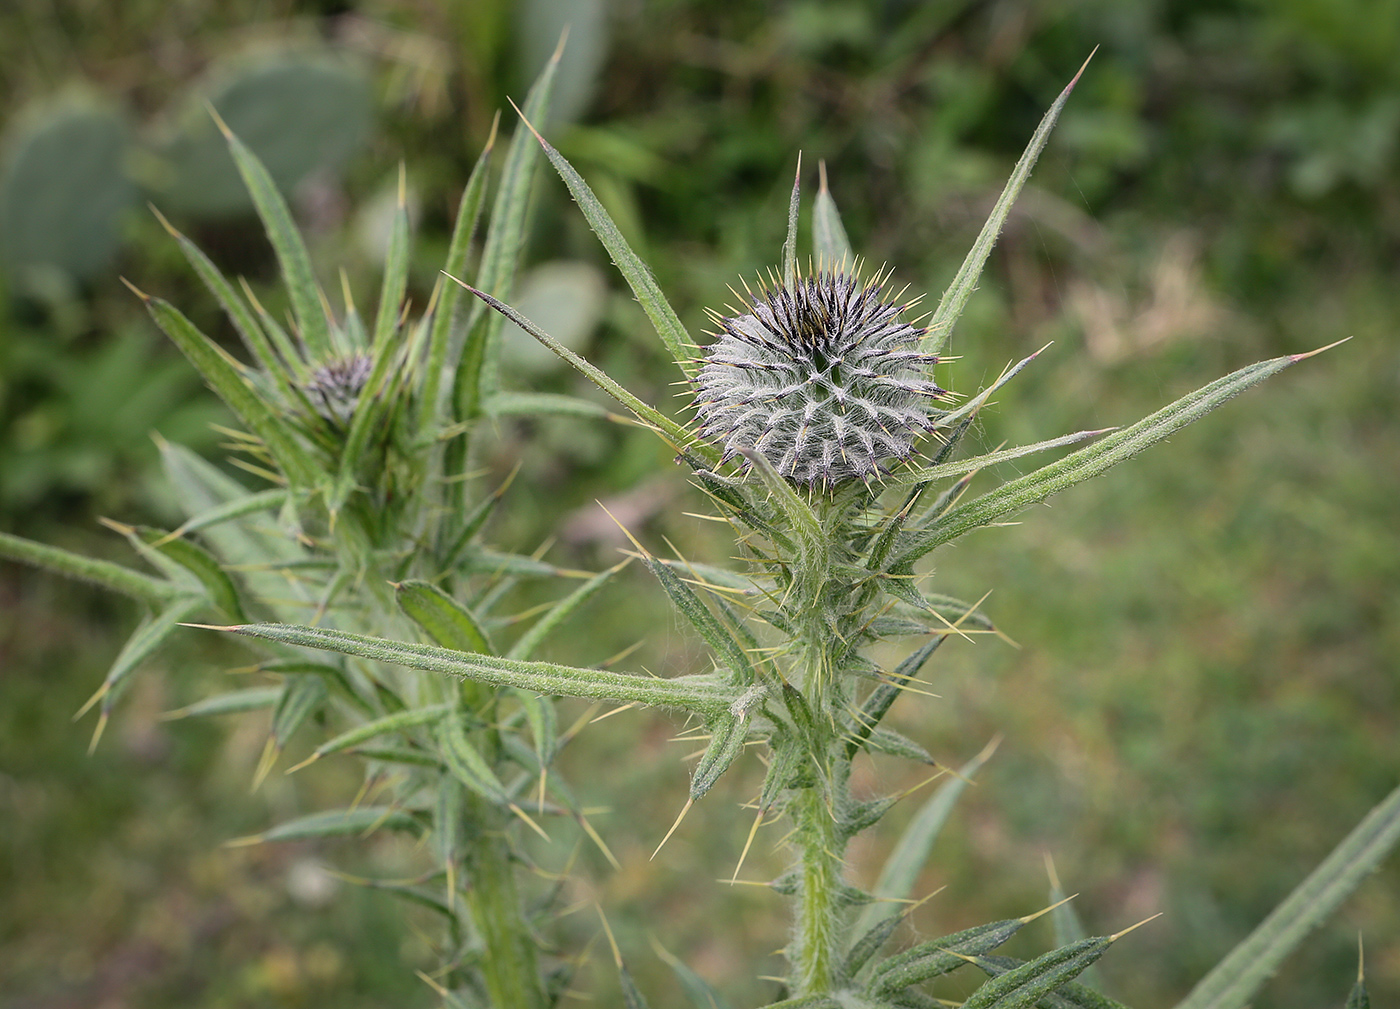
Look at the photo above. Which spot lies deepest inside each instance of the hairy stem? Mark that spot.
(814, 947)
(508, 964)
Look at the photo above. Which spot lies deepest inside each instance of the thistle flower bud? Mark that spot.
(824, 378)
(334, 388)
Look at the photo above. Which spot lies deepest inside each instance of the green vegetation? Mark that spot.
(1204, 697)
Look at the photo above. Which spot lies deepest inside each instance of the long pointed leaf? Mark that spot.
(449, 296)
(965, 282)
(339, 823)
(199, 562)
(637, 274)
(234, 701)
(223, 377)
(1233, 982)
(811, 538)
(268, 500)
(477, 376)
(539, 404)
(828, 234)
(104, 573)
(705, 695)
(399, 721)
(689, 605)
(901, 870)
(790, 243)
(1024, 986)
(240, 315)
(935, 957)
(149, 635)
(649, 415)
(395, 273)
(286, 241)
(302, 696)
(1019, 494)
(559, 612)
(905, 478)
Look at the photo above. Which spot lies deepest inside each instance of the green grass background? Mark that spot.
(1206, 692)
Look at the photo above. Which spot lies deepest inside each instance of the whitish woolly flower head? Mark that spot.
(824, 378)
(334, 387)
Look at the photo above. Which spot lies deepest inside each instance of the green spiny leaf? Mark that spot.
(543, 722)
(105, 574)
(788, 757)
(705, 695)
(149, 635)
(466, 763)
(339, 823)
(445, 620)
(955, 298)
(477, 371)
(222, 374)
(1088, 462)
(938, 956)
(262, 501)
(541, 629)
(813, 543)
(395, 280)
(828, 234)
(397, 722)
(901, 869)
(887, 741)
(1024, 986)
(883, 696)
(248, 699)
(690, 606)
(727, 734)
(638, 276)
(790, 243)
(449, 295)
(287, 244)
(677, 435)
(1070, 995)
(199, 562)
(281, 367)
(543, 404)
(303, 694)
(870, 942)
(927, 474)
(1233, 982)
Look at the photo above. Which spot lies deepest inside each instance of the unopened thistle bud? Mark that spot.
(825, 378)
(334, 388)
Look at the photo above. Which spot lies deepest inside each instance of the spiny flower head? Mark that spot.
(334, 387)
(824, 378)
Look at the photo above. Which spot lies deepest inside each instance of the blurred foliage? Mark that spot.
(1206, 694)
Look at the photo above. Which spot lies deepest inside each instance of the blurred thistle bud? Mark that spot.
(825, 378)
(334, 388)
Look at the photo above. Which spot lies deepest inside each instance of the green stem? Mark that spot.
(508, 961)
(814, 947)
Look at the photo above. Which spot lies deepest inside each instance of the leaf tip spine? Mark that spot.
(1118, 935)
(145, 298)
(1295, 358)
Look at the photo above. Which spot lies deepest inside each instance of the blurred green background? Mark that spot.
(1206, 695)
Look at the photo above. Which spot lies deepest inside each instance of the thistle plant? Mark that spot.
(358, 434)
(819, 432)
(821, 436)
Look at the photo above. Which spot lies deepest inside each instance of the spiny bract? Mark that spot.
(824, 378)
